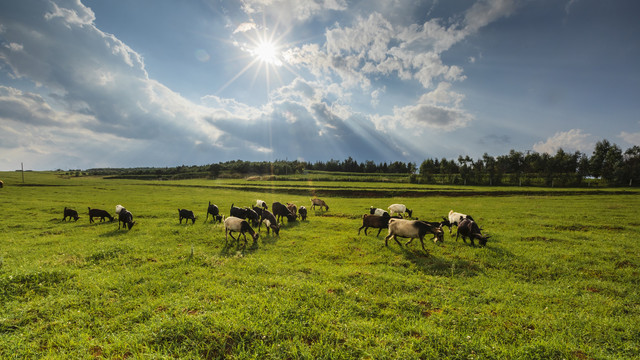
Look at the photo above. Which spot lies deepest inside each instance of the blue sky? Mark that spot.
(162, 83)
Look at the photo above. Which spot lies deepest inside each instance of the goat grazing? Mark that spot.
(261, 204)
(186, 215)
(399, 209)
(270, 221)
(102, 214)
(303, 213)
(378, 211)
(125, 217)
(454, 219)
(238, 225)
(70, 213)
(214, 211)
(244, 213)
(412, 229)
(469, 228)
(293, 209)
(375, 221)
(317, 202)
(280, 211)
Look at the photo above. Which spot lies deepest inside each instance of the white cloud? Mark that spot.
(574, 139)
(293, 10)
(631, 138)
(244, 27)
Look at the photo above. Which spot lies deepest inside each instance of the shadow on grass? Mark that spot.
(430, 264)
(114, 232)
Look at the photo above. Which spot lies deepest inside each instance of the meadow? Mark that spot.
(558, 279)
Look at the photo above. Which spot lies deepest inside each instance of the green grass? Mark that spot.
(558, 279)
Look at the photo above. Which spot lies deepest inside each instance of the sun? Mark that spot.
(267, 52)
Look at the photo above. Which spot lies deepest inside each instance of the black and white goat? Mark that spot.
(125, 217)
(412, 229)
(270, 221)
(454, 219)
(261, 204)
(240, 226)
(378, 211)
(303, 213)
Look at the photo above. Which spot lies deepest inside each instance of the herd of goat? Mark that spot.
(241, 220)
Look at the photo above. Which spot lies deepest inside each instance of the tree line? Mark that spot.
(608, 165)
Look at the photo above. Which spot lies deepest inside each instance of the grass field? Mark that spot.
(558, 279)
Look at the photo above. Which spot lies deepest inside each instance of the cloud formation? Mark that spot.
(372, 85)
(572, 140)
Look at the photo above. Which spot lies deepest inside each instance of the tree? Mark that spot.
(606, 161)
(632, 165)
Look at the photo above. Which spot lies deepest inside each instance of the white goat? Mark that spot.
(399, 209)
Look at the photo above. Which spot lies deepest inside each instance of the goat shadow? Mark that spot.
(430, 264)
(115, 232)
(234, 248)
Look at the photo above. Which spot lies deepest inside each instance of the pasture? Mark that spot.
(559, 277)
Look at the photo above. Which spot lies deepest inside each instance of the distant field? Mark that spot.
(559, 277)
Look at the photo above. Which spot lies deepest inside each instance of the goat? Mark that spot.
(303, 213)
(259, 210)
(70, 213)
(375, 221)
(102, 214)
(281, 211)
(293, 209)
(317, 202)
(186, 215)
(454, 219)
(1, 184)
(399, 209)
(469, 228)
(378, 211)
(125, 217)
(214, 211)
(270, 221)
(261, 204)
(412, 229)
(238, 225)
(244, 213)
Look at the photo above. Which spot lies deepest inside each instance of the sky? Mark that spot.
(154, 83)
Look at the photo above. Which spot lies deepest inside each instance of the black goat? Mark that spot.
(468, 228)
(102, 214)
(280, 211)
(245, 213)
(71, 214)
(214, 211)
(374, 221)
(187, 215)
